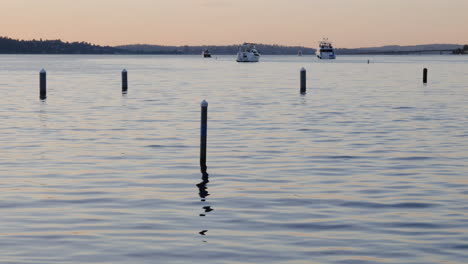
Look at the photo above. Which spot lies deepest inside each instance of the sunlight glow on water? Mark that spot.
(368, 167)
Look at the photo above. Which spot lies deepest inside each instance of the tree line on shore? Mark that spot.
(15, 46)
(463, 50)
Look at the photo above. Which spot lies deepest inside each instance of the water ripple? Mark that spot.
(368, 167)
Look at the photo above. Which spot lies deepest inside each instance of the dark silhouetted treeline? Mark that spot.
(463, 50)
(14, 46)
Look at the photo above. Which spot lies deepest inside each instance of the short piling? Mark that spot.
(203, 134)
(425, 75)
(303, 81)
(42, 84)
(124, 81)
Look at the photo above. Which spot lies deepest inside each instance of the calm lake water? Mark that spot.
(370, 166)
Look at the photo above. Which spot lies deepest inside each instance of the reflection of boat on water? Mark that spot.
(248, 53)
(326, 50)
(206, 54)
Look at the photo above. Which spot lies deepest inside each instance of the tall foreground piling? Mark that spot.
(124, 80)
(425, 75)
(203, 134)
(42, 84)
(303, 81)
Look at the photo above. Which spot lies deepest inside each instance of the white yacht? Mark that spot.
(248, 53)
(327, 52)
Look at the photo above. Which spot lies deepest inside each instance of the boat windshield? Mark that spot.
(246, 47)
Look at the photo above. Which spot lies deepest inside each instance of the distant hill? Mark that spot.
(14, 46)
(395, 49)
(216, 50)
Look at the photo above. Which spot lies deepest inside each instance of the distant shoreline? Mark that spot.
(50, 47)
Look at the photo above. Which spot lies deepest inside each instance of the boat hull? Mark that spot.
(327, 56)
(247, 57)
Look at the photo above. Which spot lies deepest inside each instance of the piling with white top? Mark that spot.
(124, 81)
(425, 75)
(203, 134)
(42, 84)
(303, 81)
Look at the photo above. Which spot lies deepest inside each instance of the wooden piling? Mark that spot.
(42, 84)
(124, 81)
(425, 75)
(303, 81)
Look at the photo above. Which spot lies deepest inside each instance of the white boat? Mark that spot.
(248, 53)
(327, 52)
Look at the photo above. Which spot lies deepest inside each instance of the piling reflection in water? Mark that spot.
(202, 189)
(203, 193)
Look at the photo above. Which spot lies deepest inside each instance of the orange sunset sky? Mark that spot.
(348, 23)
